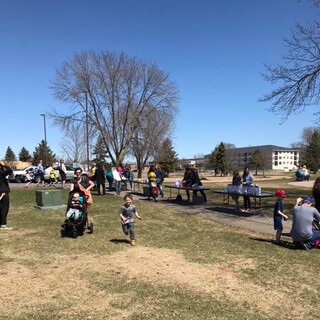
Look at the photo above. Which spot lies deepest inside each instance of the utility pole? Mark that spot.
(45, 137)
(87, 133)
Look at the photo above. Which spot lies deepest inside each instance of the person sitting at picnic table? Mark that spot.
(302, 173)
(306, 174)
(247, 180)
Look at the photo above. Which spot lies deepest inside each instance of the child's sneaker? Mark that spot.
(5, 227)
(133, 242)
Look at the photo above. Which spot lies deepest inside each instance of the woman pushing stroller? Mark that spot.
(82, 183)
(79, 198)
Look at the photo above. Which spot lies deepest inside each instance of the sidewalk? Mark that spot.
(261, 222)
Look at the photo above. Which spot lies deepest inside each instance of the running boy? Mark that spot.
(126, 215)
(278, 214)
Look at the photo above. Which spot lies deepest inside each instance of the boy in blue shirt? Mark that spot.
(278, 214)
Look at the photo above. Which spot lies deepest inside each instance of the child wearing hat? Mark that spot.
(278, 214)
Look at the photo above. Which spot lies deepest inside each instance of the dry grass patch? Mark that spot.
(65, 283)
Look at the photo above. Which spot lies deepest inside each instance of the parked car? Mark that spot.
(19, 175)
(70, 172)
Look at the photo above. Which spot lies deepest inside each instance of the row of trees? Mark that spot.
(42, 151)
(217, 160)
(166, 155)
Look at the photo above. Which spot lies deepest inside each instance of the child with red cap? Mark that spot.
(278, 214)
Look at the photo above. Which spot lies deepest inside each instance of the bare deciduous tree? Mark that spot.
(113, 92)
(74, 144)
(298, 75)
(154, 128)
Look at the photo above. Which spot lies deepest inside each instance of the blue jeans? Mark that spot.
(159, 186)
(128, 228)
(118, 186)
(311, 243)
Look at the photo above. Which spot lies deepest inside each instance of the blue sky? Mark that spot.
(213, 49)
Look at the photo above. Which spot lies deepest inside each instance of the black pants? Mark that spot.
(247, 202)
(110, 181)
(102, 186)
(202, 193)
(4, 208)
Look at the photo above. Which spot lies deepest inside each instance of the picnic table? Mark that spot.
(190, 188)
(256, 197)
(138, 182)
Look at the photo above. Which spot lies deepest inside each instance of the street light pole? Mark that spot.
(87, 133)
(45, 136)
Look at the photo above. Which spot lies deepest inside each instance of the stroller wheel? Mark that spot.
(63, 232)
(90, 227)
(74, 233)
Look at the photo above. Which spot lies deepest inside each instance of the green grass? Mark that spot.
(184, 267)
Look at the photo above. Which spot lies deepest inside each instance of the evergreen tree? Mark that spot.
(211, 162)
(221, 159)
(24, 155)
(44, 153)
(167, 157)
(218, 159)
(100, 151)
(312, 152)
(10, 157)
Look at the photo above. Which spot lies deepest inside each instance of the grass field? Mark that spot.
(184, 266)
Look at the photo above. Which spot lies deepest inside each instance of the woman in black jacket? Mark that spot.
(4, 195)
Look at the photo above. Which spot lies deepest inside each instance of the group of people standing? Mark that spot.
(113, 176)
(244, 182)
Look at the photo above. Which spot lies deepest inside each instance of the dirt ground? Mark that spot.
(150, 265)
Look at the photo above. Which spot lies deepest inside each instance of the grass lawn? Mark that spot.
(183, 267)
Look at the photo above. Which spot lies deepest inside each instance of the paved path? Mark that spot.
(259, 222)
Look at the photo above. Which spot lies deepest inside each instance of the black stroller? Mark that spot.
(76, 222)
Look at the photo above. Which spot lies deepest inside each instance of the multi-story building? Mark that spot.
(275, 157)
